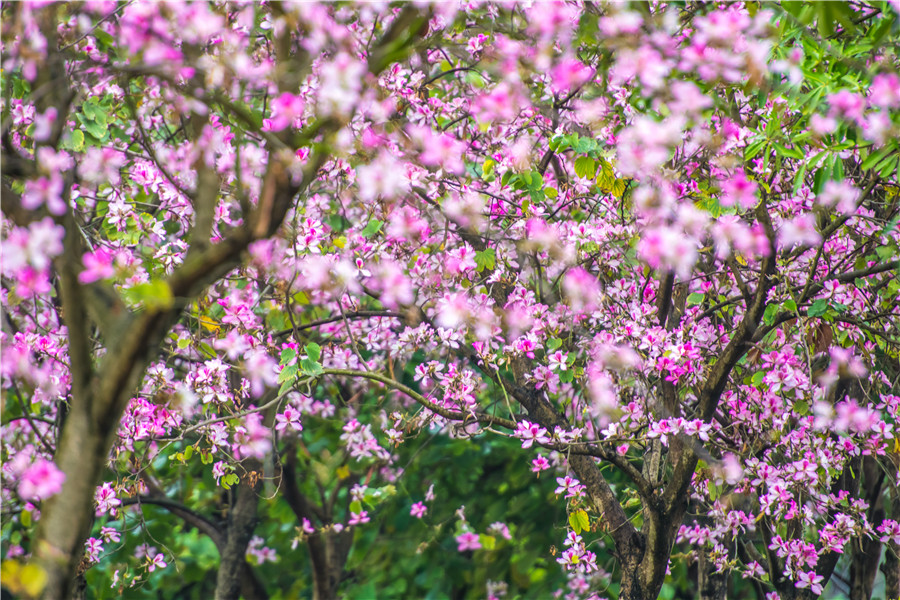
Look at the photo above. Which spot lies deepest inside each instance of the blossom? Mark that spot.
(540, 464)
(468, 541)
(41, 480)
(418, 510)
(558, 361)
(358, 518)
(106, 500)
(97, 265)
(290, 418)
(530, 432)
(740, 191)
(156, 561)
(93, 547)
(568, 485)
(810, 580)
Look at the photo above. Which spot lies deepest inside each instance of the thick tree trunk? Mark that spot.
(67, 517)
(866, 554)
(328, 551)
(891, 565)
(712, 585)
(241, 522)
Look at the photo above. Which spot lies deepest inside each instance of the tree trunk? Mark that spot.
(233, 575)
(328, 551)
(891, 565)
(712, 585)
(866, 553)
(67, 517)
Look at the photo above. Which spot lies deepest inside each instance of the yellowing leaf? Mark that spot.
(209, 323)
(28, 580)
(579, 521)
(343, 472)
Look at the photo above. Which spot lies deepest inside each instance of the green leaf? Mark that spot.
(553, 344)
(790, 306)
(314, 351)
(875, 157)
(818, 308)
(837, 172)
(188, 452)
(770, 314)
(310, 367)
(713, 491)
(695, 298)
(585, 145)
(96, 130)
(77, 140)
(93, 111)
(356, 507)
(799, 178)
(488, 542)
(486, 259)
(788, 152)
(153, 295)
(288, 374)
(585, 167)
(287, 356)
(887, 168)
(372, 228)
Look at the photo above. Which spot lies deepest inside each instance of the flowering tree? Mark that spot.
(268, 269)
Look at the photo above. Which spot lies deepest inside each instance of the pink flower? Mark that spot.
(43, 125)
(539, 464)
(569, 74)
(93, 547)
(468, 541)
(418, 510)
(740, 191)
(156, 561)
(846, 104)
(799, 230)
(810, 580)
(842, 194)
(41, 480)
(501, 529)
(558, 361)
(106, 500)
(358, 518)
(97, 265)
(285, 108)
(568, 485)
(44, 191)
(290, 418)
(885, 90)
(530, 433)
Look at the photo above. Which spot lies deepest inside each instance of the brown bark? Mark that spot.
(712, 585)
(234, 579)
(99, 398)
(328, 551)
(866, 553)
(891, 565)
